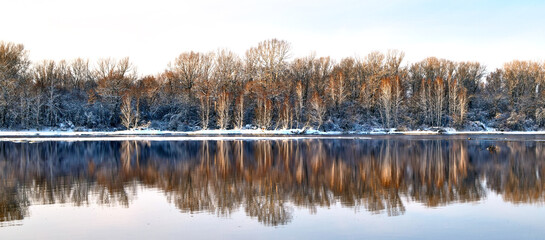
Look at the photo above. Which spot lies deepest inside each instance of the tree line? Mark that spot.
(268, 89)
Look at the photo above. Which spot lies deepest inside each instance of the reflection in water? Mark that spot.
(268, 178)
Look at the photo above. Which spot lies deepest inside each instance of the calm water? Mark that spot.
(426, 187)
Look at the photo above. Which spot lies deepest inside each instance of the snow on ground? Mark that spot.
(163, 133)
(234, 134)
(157, 135)
(168, 138)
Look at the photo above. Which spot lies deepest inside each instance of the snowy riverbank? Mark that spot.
(244, 132)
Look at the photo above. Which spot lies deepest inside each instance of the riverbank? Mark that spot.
(249, 132)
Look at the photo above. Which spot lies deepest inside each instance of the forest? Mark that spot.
(268, 89)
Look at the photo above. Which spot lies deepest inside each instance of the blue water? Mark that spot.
(386, 187)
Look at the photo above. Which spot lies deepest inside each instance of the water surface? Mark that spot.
(419, 187)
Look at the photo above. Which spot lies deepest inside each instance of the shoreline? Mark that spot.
(157, 135)
(252, 132)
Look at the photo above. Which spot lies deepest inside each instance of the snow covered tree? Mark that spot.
(47, 78)
(299, 102)
(14, 65)
(222, 109)
(462, 105)
(240, 109)
(286, 113)
(438, 93)
(385, 101)
(318, 109)
(114, 81)
(337, 90)
(470, 75)
(269, 90)
(204, 94)
(398, 99)
(127, 113)
(524, 80)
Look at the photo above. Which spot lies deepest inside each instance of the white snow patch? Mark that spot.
(240, 134)
(160, 132)
(171, 138)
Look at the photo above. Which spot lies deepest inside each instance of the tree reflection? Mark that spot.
(268, 178)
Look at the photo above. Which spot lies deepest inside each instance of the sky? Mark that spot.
(153, 33)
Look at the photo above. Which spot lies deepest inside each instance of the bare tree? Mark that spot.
(204, 94)
(524, 80)
(205, 87)
(127, 114)
(462, 105)
(270, 58)
(424, 102)
(286, 115)
(337, 90)
(47, 78)
(470, 75)
(494, 94)
(114, 81)
(452, 92)
(299, 103)
(239, 106)
(385, 101)
(374, 70)
(323, 67)
(302, 71)
(222, 109)
(264, 105)
(318, 109)
(439, 99)
(228, 71)
(398, 95)
(228, 77)
(430, 68)
(14, 65)
(187, 69)
(81, 74)
(394, 58)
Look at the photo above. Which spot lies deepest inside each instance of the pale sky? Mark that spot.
(152, 33)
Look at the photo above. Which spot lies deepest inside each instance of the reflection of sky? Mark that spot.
(153, 33)
(150, 216)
